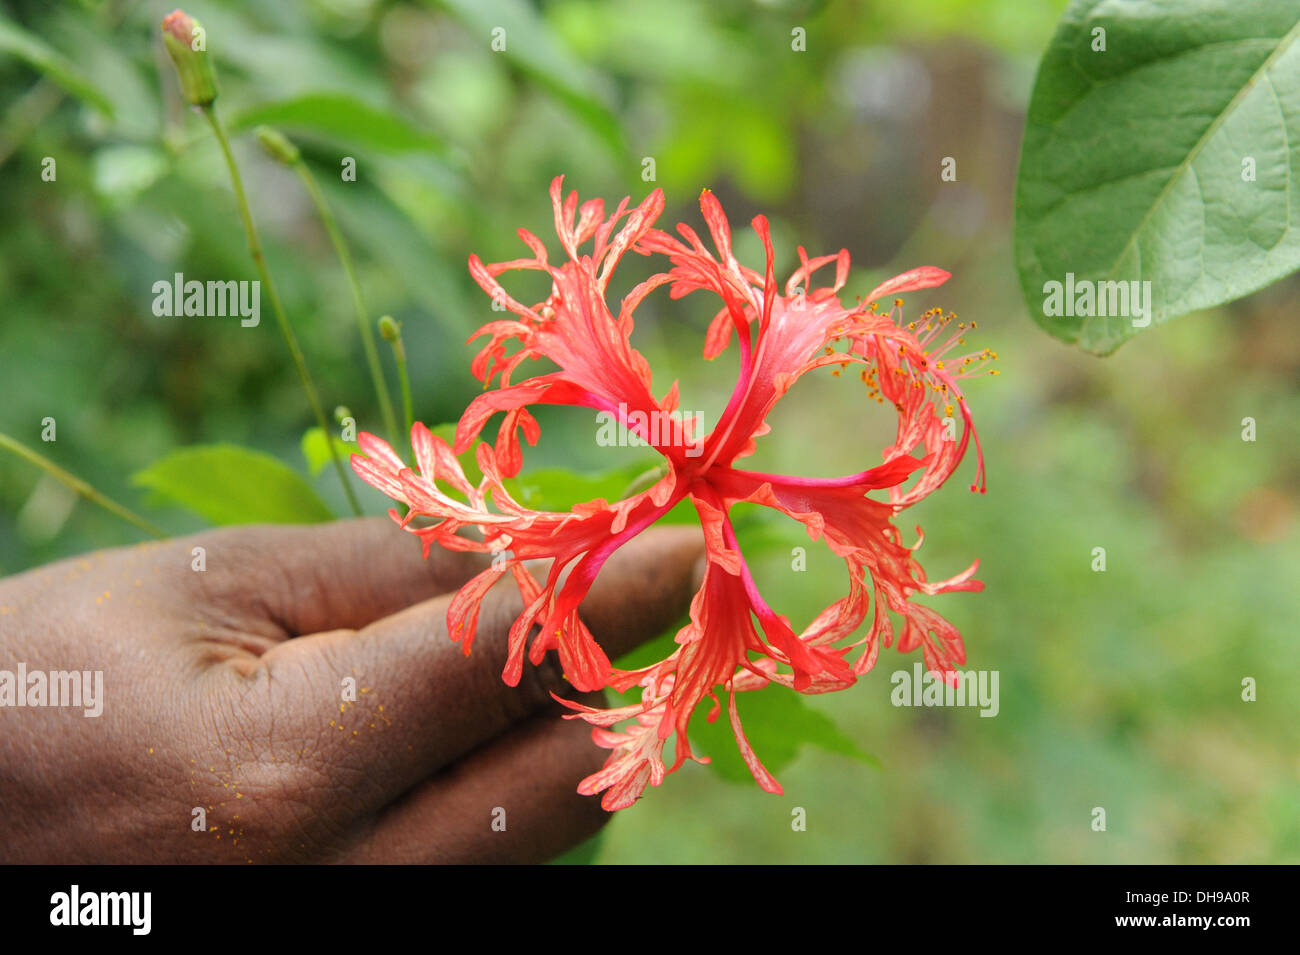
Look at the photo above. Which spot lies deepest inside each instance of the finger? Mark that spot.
(513, 800)
(340, 575)
(422, 704)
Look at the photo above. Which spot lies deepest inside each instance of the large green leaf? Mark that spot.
(1136, 159)
(531, 46)
(341, 118)
(39, 55)
(228, 484)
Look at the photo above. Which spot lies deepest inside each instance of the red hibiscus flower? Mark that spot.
(782, 332)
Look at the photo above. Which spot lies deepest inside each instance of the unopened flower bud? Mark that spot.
(278, 145)
(389, 329)
(187, 46)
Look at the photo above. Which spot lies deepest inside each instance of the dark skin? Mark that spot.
(224, 690)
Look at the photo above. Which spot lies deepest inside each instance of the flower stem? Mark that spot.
(74, 483)
(255, 248)
(399, 354)
(358, 303)
(391, 332)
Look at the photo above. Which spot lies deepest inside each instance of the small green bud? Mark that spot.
(277, 145)
(389, 329)
(342, 412)
(187, 45)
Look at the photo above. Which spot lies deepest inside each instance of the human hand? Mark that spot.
(226, 734)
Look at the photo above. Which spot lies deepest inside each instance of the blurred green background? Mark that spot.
(1119, 689)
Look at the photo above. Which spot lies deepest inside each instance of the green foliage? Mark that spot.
(526, 40)
(778, 723)
(341, 119)
(38, 54)
(316, 450)
(122, 172)
(1170, 156)
(227, 484)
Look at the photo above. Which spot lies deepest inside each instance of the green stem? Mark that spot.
(76, 484)
(255, 248)
(358, 303)
(399, 355)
